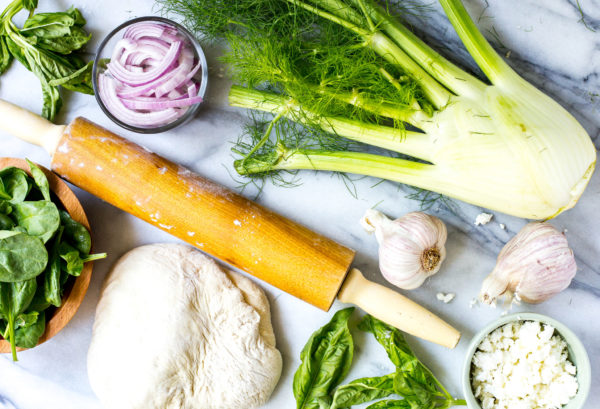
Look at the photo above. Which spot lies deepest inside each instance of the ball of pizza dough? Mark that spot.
(173, 330)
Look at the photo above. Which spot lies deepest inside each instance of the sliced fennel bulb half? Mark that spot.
(351, 69)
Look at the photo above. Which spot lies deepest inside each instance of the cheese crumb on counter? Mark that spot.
(523, 365)
(483, 218)
(446, 298)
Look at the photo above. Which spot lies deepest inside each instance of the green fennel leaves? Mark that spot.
(41, 246)
(49, 45)
(326, 359)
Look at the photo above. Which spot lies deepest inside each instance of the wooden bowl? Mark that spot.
(74, 294)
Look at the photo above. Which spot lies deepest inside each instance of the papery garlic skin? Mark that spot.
(411, 248)
(533, 266)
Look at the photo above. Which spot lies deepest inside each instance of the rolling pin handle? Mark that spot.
(30, 127)
(397, 310)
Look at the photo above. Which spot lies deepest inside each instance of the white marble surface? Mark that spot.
(548, 45)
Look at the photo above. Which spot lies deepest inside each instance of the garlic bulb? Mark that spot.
(410, 248)
(533, 266)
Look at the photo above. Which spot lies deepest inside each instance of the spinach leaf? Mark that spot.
(16, 184)
(363, 390)
(26, 319)
(6, 222)
(3, 194)
(28, 337)
(5, 207)
(40, 218)
(52, 285)
(14, 299)
(326, 360)
(75, 233)
(39, 303)
(40, 179)
(22, 257)
(73, 264)
(5, 55)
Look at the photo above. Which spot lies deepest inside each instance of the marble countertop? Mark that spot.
(548, 44)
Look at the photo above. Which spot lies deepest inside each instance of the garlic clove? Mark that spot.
(410, 248)
(533, 266)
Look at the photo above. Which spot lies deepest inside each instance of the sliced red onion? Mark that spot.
(122, 74)
(116, 107)
(159, 105)
(149, 81)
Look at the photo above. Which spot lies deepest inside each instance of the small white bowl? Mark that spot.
(577, 355)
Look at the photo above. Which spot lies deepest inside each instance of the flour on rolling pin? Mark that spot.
(202, 213)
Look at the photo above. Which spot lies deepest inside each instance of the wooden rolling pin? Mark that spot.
(217, 220)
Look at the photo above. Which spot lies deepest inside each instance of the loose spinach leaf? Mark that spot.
(22, 257)
(363, 390)
(75, 233)
(28, 337)
(40, 179)
(73, 264)
(14, 299)
(52, 275)
(39, 218)
(326, 360)
(16, 184)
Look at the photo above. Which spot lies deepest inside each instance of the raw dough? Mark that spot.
(174, 331)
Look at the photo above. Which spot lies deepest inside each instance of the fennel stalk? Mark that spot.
(350, 68)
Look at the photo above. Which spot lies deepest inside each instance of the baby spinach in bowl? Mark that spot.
(42, 250)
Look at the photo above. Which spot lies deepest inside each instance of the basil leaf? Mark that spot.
(17, 52)
(30, 4)
(52, 102)
(39, 218)
(28, 337)
(392, 404)
(52, 275)
(16, 184)
(73, 264)
(40, 180)
(22, 257)
(413, 380)
(363, 390)
(75, 233)
(326, 360)
(5, 55)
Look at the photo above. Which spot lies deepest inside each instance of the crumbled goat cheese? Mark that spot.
(483, 218)
(523, 365)
(502, 226)
(446, 298)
